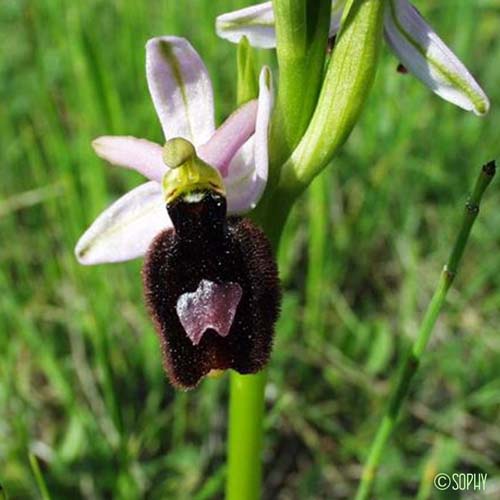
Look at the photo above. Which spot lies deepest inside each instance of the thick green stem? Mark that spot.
(414, 355)
(246, 392)
(246, 413)
(246, 418)
(302, 27)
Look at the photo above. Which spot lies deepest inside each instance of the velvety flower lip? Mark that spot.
(414, 42)
(181, 91)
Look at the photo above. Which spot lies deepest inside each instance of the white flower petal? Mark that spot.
(229, 137)
(138, 154)
(424, 54)
(257, 24)
(180, 88)
(125, 230)
(248, 171)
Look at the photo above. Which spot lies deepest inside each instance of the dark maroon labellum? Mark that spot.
(212, 289)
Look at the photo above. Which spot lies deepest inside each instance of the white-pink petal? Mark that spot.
(125, 230)
(137, 154)
(258, 25)
(180, 88)
(229, 137)
(424, 54)
(255, 22)
(247, 176)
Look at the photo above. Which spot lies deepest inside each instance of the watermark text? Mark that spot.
(460, 481)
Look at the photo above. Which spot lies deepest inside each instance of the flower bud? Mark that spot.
(346, 86)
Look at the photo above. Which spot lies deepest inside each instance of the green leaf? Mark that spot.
(248, 87)
(346, 86)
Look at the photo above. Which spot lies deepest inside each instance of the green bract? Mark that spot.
(347, 82)
(302, 34)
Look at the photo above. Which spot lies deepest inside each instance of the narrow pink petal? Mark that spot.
(247, 176)
(125, 230)
(229, 137)
(181, 90)
(138, 154)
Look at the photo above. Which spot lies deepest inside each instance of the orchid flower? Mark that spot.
(182, 95)
(414, 42)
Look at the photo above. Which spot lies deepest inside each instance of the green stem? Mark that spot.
(246, 414)
(302, 27)
(246, 392)
(411, 363)
(40, 482)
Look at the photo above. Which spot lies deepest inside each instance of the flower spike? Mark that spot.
(210, 281)
(413, 41)
(182, 94)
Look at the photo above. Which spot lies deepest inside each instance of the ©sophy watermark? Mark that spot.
(460, 481)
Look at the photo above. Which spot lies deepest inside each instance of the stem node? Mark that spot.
(410, 365)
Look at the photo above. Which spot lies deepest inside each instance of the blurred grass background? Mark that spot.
(81, 385)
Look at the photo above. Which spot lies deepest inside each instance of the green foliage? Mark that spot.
(81, 385)
(247, 86)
